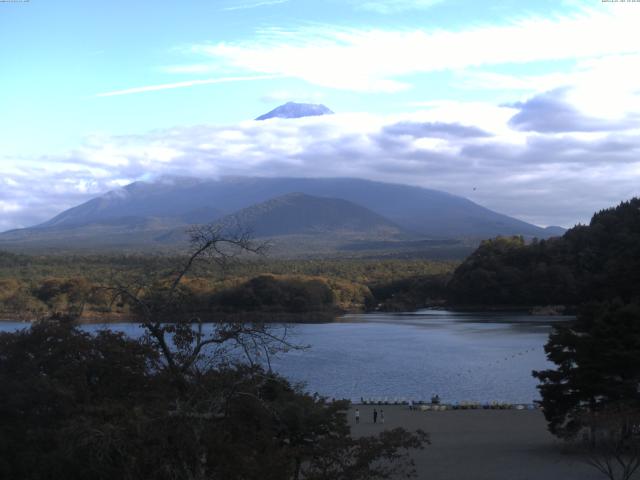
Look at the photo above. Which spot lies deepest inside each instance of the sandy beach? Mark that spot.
(481, 444)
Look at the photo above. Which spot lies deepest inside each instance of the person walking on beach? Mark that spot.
(357, 416)
(375, 416)
(381, 416)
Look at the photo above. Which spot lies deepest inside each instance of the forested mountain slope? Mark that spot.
(589, 262)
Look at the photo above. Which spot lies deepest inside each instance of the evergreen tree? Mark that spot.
(598, 366)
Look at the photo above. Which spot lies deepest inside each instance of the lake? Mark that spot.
(480, 357)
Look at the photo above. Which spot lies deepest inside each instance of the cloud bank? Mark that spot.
(541, 160)
(382, 60)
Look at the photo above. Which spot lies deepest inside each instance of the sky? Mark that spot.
(530, 108)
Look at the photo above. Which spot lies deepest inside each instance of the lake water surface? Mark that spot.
(479, 357)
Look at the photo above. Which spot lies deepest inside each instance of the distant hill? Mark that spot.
(296, 110)
(184, 199)
(426, 212)
(297, 223)
(143, 214)
(298, 213)
(555, 231)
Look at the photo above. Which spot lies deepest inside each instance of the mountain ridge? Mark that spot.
(152, 209)
(410, 206)
(299, 213)
(296, 110)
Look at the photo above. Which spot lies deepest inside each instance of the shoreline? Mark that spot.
(532, 310)
(218, 317)
(318, 317)
(424, 406)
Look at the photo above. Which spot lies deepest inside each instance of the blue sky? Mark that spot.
(97, 94)
(60, 55)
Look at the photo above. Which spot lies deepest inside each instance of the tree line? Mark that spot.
(284, 290)
(592, 262)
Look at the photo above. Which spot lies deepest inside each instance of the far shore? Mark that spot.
(299, 317)
(533, 310)
(480, 444)
(93, 318)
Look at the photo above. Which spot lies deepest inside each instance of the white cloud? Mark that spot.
(558, 174)
(606, 87)
(7, 207)
(39, 190)
(186, 84)
(281, 96)
(381, 60)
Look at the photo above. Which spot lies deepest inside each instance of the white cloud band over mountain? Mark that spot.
(541, 160)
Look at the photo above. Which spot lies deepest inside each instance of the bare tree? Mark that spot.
(162, 304)
(190, 351)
